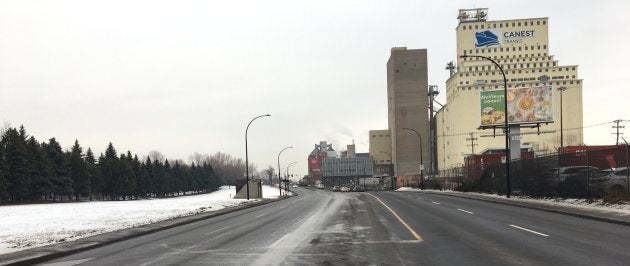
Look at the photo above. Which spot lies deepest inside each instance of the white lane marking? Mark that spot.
(465, 211)
(260, 215)
(68, 263)
(420, 198)
(528, 230)
(223, 228)
(278, 241)
(435, 202)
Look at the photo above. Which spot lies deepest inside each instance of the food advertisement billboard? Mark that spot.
(525, 106)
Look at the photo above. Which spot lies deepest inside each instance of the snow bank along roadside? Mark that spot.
(584, 204)
(27, 226)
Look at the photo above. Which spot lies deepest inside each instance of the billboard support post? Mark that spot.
(507, 128)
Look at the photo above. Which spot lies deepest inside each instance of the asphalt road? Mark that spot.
(374, 228)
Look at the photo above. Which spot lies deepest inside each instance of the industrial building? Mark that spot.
(347, 169)
(406, 142)
(521, 47)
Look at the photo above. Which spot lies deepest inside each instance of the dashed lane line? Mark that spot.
(469, 212)
(529, 230)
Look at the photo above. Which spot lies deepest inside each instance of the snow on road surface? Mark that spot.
(33, 225)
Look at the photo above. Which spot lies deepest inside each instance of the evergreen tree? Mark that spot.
(39, 170)
(126, 181)
(149, 177)
(179, 182)
(140, 177)
(4, 182)
(96, 182)
(168, 178)
(79, 172)
(107, 166)
(14, 146)
(60, 176)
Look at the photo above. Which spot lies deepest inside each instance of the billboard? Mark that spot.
(528, 105)
(492, 38)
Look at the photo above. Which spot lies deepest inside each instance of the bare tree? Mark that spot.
(156, 155)
(268, 174)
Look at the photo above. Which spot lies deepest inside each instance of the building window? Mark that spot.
(545, 47)
(538, 23)
(544, 22)
(476, 26)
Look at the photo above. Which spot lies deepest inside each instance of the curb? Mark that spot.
(58, 250)
(569, 213)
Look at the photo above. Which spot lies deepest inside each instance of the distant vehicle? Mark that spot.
(557, 176)
(320, 186)
(358, 189)
(613, 181)
(583, 181)
(335, 188)
(295, 185)
(345, 189)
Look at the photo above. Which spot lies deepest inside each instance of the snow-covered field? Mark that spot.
(593, 204)
(27, 226)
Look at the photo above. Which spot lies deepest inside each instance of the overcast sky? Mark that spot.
(187, 76)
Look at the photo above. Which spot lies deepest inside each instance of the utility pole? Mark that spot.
(617, 127)
(472, 143)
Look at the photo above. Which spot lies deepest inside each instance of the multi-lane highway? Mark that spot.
(380, 228)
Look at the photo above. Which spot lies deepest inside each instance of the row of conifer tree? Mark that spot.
(41, 171)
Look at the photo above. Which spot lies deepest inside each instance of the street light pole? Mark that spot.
(280, 171)
(421, 165)
(561, 89)
(247, 156)
(507, 126)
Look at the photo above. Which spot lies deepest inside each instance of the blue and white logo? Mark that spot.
(488, 38)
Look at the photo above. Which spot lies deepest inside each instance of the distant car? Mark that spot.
(295, 186)
(345, 189)
(335, 188)
(320, 186)
(611, 182)
(358, 189)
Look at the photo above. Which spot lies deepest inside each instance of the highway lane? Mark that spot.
(464, 231)
(377, 228)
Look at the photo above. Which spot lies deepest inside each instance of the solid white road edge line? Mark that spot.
(528, 230)
(435, 202)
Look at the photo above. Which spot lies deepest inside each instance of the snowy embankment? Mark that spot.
(27, 226)
(586, 204)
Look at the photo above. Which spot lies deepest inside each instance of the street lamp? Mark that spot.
(391, 167)
(421, 165)
(561, 89)
(246, 155)
(280, 171)
(507, 126)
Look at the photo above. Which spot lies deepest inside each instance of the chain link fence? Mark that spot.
(589, 172)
